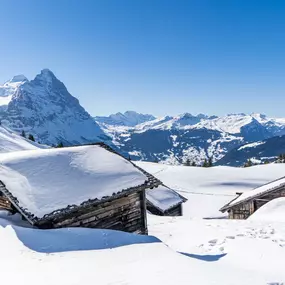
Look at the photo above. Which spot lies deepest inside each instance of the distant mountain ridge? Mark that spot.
(129, 118)
(257, 152)
(175, 139)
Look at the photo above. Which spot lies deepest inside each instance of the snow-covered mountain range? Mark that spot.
(129, 118)
(43, 107)
(187, 137)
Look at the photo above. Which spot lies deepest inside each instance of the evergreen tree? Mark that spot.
(281, 158)
(60, 144)
(187, 162)
(129, 158)
(31, 137)
(23, 134)
(205, 163)
(266, 161)
(193, 163)
(248, 163)
(210, 162)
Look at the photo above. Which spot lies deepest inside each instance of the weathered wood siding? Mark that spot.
(5, 204)
(126, 213)
(175, 211)
(244, 210)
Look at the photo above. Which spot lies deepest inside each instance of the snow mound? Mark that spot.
(273, 211)
(47, 180)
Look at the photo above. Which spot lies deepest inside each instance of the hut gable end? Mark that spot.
(247, 203)
(164, 201)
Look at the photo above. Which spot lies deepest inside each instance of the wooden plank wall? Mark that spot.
(125, 214)
(242, 211)
(5, 204)
(175, 211)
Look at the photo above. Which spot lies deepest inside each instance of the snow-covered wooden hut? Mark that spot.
(164, 201)
(247, 203)
(85, 186)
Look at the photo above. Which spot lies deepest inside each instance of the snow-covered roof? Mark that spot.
(257, 192)
(163, 198)
(47, 180)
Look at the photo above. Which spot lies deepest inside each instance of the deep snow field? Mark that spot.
(208, 189)
(180, 250)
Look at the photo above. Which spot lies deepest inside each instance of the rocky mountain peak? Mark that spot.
(44, 107)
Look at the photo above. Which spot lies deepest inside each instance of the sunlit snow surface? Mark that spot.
(180, 250)
(208, 189)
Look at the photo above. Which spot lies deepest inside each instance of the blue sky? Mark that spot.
(152, 56)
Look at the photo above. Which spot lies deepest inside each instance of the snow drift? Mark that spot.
(273, 211)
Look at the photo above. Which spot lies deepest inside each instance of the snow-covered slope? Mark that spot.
(10, 142)
(208, 189)
(8, 89)
(44, 108)
(129, 118)
(273, 211)
(175, 140)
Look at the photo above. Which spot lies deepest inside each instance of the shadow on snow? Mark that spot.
(75, 239)
(237, 184)
(208, 258)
